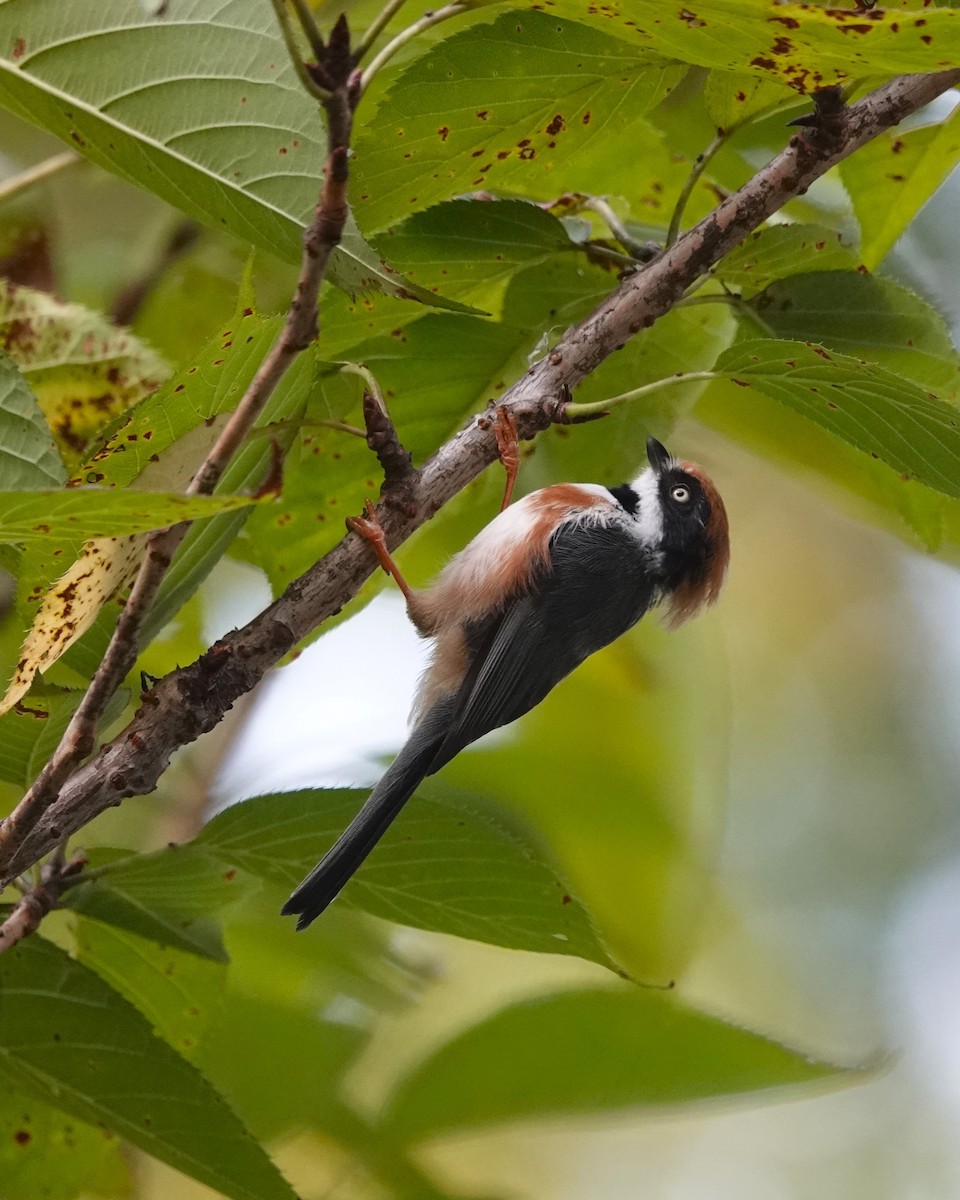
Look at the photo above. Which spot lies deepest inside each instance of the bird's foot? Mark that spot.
(504, 425)
(370, 529)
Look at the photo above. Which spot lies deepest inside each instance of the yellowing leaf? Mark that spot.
(105, 566)
(82, 369)
(904, 166)
(69, 608)
(799, 45)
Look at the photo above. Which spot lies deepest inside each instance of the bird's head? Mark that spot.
(683, 520)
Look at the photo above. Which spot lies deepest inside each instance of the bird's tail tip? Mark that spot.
(305, 908)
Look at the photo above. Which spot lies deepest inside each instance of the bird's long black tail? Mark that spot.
(414, 762)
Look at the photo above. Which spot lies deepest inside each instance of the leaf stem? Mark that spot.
(638, 251)
(37, 173)
(687, 190)
(368, 377)
(308, 83)
(377, 26)
(427, 21)
(600, 407)
(309, 27)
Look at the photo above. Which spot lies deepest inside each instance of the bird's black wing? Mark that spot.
(594, 587)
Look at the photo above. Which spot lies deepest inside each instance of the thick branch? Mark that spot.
(191, 701)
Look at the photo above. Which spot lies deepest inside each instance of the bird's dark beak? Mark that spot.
(658, 455)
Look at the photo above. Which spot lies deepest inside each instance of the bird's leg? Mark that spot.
(370, 529)
(508, 447)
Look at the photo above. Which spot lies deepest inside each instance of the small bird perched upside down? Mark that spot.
(553, 578)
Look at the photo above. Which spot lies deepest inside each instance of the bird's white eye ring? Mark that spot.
(680, 493)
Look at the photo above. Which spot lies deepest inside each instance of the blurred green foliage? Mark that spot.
(583, 855)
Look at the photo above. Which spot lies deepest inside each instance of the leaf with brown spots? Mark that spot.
(869, 407)
(159, 445)
(49, 1154)
(69, 608)
(93, 512)
(68, 1038)
(734, 97)
(905, 167)
(801, 46)
(774, 252)
(227, 135)
(83, 370)
(867, 317)
(507, 129)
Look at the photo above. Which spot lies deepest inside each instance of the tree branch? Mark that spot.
(37, 901)
(192, 700)
(321, 237)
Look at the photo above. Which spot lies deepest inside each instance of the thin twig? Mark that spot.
(579, 411)
(309, 26)
(36, 174)
(192, 700)
(687, 190)
(276, 427)
(39, 899)
(293, 50)
(299, 330)
(377, 26)
(639, 251)
(427, 21)
(130, 300)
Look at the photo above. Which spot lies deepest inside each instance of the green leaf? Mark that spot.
(635, 822)
(290, 1074)
(201, 107)
(904, 168)
(444, 865)
(504, 105)
(179, 993)
(775, 251)
(32, 731)
(169, 897)
(733, 97)
(878, 412)
(81, 367)
(802, 46)
(181, 413)
(925, 519)
(868, 317)
(48, 1155)
(158, 444)
(587, 1052)
(28, 455)
(88, 512)
(434, 372)
(473, 247)
(69, 1039)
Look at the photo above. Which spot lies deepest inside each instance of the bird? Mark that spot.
(550, 580)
